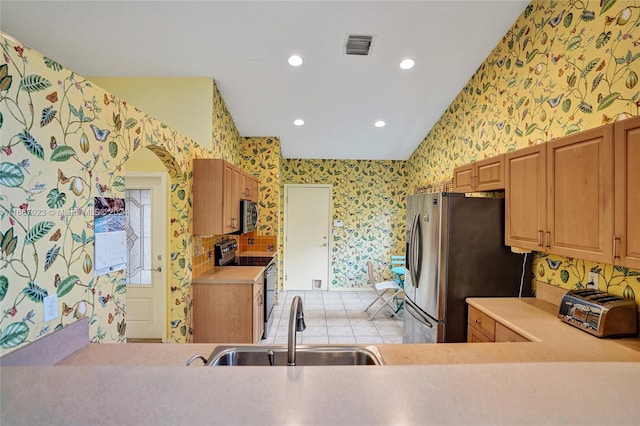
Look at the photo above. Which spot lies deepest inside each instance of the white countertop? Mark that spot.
(469, 394)
(489, 383)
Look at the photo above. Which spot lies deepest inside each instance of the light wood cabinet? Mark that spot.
(525, 197)
(481, 328)
(258, 313)
(580, 195)
(218, 187)
(627, 193)
(484, 175)
(559, 196)
(228, 313)
(505, 334)
(249, 188)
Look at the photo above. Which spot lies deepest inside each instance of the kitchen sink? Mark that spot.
(305, 355)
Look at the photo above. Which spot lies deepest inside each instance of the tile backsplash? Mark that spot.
(253, 242)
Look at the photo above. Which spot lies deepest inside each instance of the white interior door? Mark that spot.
(307, 216)
(146, 205)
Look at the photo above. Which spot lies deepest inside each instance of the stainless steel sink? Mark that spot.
(305, 355)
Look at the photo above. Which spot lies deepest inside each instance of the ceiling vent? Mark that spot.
(358, 45)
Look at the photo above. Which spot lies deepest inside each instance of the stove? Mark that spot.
(225, 255)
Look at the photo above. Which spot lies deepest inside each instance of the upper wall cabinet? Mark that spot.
(526, 197)
(484, 175)
(249, 187)
(626, 242)
(218, 187)
(559, 196)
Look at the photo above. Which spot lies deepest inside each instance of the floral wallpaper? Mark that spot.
(64, 142)
(226, 139)
(369, 197)
(563, 67)
(261, 157)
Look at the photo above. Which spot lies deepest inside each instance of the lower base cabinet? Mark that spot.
(228, 313)
(481, 328)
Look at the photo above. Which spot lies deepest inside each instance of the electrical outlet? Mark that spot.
(50, 307)
(592, 282)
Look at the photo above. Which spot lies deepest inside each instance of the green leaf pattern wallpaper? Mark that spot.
(64, 142)
(369, 197)
(563, 67)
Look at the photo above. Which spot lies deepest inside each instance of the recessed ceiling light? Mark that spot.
(298, 121)
(379, 123)
(407, 64)
(295, 61)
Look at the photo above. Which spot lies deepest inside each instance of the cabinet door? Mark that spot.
(505, 334)
(258, 314)
(580, 201)
(208, 200)
(627, 193)
(482, 322)
(462, 177)
(489, 174)
(231, 198)
(474, 336)
(525, 197)
(222, 313)
(254, 187)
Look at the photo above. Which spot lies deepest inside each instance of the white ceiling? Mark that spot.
(244, 46)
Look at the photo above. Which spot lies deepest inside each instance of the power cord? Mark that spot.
(524, 265)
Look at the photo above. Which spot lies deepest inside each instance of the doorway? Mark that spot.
(146, 201)
(306, 246)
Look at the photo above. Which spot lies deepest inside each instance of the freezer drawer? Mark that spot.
(418, 327)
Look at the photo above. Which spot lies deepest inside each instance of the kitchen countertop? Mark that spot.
(495, 383)
(230, 275)
(496, 394)
(552, 341)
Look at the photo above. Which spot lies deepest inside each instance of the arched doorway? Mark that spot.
(146, 196)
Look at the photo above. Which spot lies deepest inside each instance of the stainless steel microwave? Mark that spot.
(248, 215)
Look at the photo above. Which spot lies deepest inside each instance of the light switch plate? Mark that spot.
(50, 307)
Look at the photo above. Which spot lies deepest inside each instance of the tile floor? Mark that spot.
(335, 317)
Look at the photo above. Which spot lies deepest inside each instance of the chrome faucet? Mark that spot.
(296, 323)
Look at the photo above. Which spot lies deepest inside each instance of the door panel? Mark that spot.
(427, 289)
(307, 215)
(580, 181)
(526, 198)
(146, 243)
(627, 196)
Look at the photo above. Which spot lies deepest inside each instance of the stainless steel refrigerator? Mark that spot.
(455, 250)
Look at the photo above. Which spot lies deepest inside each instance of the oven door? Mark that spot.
(269, 295)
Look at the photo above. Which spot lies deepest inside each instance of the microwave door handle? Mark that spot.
(417, 316)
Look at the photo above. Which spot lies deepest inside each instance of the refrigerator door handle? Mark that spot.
(416, 315)
(410, 255)
(417, 250)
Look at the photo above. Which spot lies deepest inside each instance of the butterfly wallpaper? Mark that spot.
(563, 67)
(369, 197)
(64, 142)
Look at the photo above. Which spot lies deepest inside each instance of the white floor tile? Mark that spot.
(392, 339)
(365, 331)
(340, 331)
(314, 331)
(389, 331)
(365, 340)
(315, 340)
(342, 340)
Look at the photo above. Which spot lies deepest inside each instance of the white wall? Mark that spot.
(184, 104)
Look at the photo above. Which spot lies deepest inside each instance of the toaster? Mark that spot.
(599, 313)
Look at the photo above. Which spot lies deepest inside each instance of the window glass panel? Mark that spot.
(138, 202)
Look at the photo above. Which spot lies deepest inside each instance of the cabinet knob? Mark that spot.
(478, 321)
